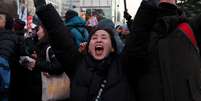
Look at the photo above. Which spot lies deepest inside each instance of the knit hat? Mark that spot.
(70, 13)
(106, 23)
(19, 24)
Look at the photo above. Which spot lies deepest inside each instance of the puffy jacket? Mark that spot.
(76, 25)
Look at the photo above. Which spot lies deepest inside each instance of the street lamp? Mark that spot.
(71, 4)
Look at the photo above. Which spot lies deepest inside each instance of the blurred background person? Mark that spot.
(77, 27)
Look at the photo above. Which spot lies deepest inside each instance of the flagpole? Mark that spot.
(125, 6)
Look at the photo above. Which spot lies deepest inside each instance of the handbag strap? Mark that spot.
(47, 54)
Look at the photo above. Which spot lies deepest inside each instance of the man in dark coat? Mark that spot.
(8, 41)
(11, 47)
(76, 25)
(167, 66)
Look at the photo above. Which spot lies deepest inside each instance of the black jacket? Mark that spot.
(85, 73)
(53, 67)
(10, 49)
(8, 41)
(196, 25)
(27, 84)
(166, 65)
(90, 76)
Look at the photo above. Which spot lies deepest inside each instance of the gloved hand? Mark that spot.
(39, 3)
(127, 16)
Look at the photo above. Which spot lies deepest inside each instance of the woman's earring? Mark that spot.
(112, 50)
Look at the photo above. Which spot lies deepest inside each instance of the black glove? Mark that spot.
(127, 16)
(39, 3)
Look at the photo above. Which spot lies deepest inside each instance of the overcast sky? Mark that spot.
(132, 6)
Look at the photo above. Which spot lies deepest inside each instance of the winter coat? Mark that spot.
(43, 65)
(175, 75)
(53, 67)
(89, 78)
(76, 25)
(31, 84)
(10, 49)
(86, 74)
(137, 43)
(195, 25)
(8, 41)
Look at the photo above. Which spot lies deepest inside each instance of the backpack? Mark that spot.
(175, 65)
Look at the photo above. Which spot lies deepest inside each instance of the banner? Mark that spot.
(29, 23)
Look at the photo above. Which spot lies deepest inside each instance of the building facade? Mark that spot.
(91, 6)
(106, 8)
(63, 5)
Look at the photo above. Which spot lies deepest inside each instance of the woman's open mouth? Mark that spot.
(99, 50)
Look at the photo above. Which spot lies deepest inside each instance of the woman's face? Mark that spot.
(100, 45)
(2, 21)
(40, 33)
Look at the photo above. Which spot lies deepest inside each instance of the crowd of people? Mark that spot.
(156, 57)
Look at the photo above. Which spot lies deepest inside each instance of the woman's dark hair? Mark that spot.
(70, 14)
(9, 21)
(45, 38)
